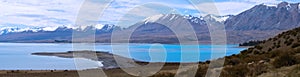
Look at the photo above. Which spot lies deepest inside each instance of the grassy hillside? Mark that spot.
(274, 57)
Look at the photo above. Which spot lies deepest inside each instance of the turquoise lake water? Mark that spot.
(17, 56)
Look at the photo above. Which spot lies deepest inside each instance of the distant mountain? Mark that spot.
(6, 30)
(284, 16)
(49, 35)
(262, 21)
(157, 29)
(258, 23)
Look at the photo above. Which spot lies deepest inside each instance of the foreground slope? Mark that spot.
(275, 57)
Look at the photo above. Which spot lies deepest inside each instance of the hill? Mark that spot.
(275, 57)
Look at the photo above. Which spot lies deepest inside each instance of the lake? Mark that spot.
(17, 56)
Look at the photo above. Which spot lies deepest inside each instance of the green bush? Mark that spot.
(295, 45)
(289, 42)
(201, 72)
(274, 53)
(278, 46)
(233, 61)
(164, 74)
(297, 50)
(235, 71)
(270, 49)
(258, 47)
(256, 52)
(284, 59)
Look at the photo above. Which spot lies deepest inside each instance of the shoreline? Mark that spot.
(107, 59)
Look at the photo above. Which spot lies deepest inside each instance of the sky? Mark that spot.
(53, 13)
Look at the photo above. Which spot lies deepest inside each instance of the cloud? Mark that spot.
(224, 8)
(27, 15)
(38, 12)
(117, 9)
(141, 12)
(263, 1)
(65, 12)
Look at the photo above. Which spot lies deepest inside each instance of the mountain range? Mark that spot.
(258, 23)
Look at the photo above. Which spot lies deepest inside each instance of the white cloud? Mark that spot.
(64, 12)
(12, 9)
(224, 8)
(263, 1)
(139, 13)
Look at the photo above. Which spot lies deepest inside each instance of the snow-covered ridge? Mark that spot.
(193, 19)
(270, 5)
(218, 18)
(286, 5)
(109, 27)
(153, 18)
(6, 30)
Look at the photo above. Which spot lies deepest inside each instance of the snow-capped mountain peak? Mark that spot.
(177, 17)
(218, 18)
(153, 18)
(105, 28)
(172, 17)
(6, 30)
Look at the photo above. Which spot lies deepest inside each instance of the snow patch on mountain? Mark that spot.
(153, 18)
(50, 28)
(218, 18)
(6, 30)
(190, 18)
(99, 26)
(271, 5)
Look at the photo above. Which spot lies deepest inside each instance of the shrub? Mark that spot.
(295, 45)
(235, 71)
(284, 60)
(65, 70)
(274, 43)
(233, 61)
(274, 53)
(256, 52)
(279, 42)
(245, 52)
(278, 46)
(201, 72)
(251, 43)
(289, 42)
(270, 49)
(164, 74)
(297, 50)
(274, 39)
(256, 70)
(258, 47)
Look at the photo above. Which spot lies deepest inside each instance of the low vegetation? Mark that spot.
(251, 43)
(284, 59)
(164, 74)
(282, 51)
